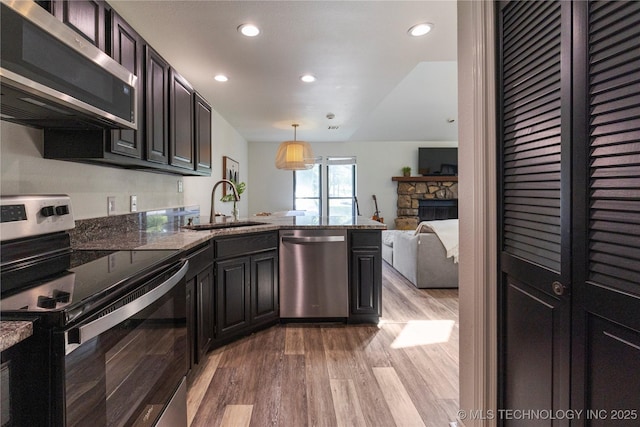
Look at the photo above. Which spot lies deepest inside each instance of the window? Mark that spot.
(339, 198)
(307, 190)
(341, 186)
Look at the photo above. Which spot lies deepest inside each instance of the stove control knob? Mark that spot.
(62, 210)
(46, 302)
(47, 211)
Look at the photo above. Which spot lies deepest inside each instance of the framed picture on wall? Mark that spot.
(231, 170)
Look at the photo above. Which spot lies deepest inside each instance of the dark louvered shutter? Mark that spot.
(531, 132)
(614, 90)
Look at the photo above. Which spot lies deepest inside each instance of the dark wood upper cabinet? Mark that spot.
(86, 17)
(202, 134)
(126, 47)
(181, 148)
(174, 122)
(157, 107)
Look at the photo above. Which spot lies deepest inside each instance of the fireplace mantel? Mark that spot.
(431, 178)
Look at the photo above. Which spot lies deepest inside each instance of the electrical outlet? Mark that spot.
(111, 205)
(134, 203)
(179, 186)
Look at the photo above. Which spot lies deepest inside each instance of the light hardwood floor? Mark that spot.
(402, 372)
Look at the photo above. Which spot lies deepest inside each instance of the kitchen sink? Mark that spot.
(222, 225)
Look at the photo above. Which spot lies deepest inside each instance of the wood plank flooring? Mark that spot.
(402, 372)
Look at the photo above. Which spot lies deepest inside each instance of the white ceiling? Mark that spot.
(380, 83)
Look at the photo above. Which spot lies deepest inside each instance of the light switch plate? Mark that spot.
(179, 186)
(111, 205)
(134, 203)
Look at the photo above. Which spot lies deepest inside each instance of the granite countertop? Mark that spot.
(14, 331)
(185, 239)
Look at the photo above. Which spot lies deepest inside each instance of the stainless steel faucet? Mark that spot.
(236, 196)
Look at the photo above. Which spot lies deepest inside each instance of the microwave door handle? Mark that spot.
(92, 329)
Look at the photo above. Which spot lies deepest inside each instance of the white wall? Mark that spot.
(226, 142)
(378, 161)
(24, 171)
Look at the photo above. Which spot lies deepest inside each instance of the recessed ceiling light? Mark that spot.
(249, 30)
(308, 78)
(420, 29)
(221, 78)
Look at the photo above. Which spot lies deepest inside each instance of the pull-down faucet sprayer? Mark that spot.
(236, 196)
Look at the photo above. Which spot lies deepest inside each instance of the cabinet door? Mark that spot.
(181, 140)
(202, 134)
(86, 17)
(205, 312)
(365, 275)
(232, 296)
(191, 322)
(126, 48)
(264, 287)
(157, 107)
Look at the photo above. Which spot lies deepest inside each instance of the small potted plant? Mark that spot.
(406, 171)
(229, 198)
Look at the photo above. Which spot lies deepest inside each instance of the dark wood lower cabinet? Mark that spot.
(232, 297)
(264, 287)
(365, 275)
(246, 284)
(205, 305)
(233, 286)
(200, 303)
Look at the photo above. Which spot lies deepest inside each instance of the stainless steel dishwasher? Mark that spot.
(313, 274)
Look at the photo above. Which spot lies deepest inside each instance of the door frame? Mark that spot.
(478, 210)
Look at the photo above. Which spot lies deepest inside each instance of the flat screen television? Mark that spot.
(437, 161)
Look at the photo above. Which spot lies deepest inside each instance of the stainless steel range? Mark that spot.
(109, 343)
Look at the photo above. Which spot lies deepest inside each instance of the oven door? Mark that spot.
(124, 364)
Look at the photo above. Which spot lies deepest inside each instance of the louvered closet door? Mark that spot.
(607, 284)
(534, 143)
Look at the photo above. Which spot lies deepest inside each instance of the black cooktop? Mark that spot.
(85, 281)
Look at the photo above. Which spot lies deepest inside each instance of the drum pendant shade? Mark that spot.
(294, 155)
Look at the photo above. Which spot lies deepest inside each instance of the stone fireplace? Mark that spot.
(422, 198)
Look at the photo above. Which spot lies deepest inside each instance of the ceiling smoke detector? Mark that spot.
(330, 116)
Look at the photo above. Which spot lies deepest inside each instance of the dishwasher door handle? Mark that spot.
(313, 239)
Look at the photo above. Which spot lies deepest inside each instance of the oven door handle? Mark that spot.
(76, 337)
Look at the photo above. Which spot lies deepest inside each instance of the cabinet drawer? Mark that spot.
(243, 245)
(366, 239)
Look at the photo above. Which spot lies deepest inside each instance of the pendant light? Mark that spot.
(294, 155)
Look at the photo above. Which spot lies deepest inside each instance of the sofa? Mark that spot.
(420, 256)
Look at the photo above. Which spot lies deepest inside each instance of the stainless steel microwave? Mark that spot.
(52, 77)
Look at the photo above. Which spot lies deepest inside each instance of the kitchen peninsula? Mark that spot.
(233, 283)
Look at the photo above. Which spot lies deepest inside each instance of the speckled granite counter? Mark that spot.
(12, 332)
(183, 239)
(142, 231)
